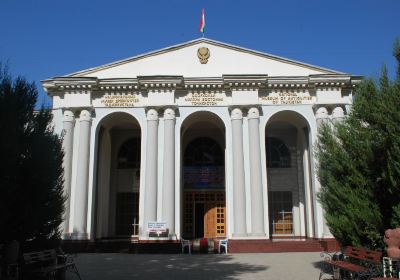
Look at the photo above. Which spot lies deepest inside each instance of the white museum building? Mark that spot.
(199, 140)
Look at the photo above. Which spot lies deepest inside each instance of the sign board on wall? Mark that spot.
(204, 177)
(203, 99)
(286, 98)
(157, 229)
(120, 100)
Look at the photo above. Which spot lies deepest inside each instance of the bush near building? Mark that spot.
(359, 164)
(31, 173)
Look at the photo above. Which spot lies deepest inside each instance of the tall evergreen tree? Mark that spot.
(31, 174)
(359, 164)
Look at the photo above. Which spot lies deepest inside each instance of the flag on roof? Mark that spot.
(202, 22)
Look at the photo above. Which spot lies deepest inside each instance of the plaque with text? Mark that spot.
(286, 98)
(203, 99)
(126, 100)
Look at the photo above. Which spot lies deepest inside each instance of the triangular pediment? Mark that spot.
(183, 60)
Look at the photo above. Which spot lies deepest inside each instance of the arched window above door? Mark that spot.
(129, 154)
(278, 154)
(203, 151)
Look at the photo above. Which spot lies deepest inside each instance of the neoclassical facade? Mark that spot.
(203, 139)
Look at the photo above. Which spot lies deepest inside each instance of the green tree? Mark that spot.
(359, 164)
(31, 174)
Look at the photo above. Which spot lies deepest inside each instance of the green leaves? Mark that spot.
(31, 174)
(359, 165)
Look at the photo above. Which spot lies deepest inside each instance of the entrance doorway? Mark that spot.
(288, 175)
(199, 220)
(203, 184)
(205, 214)
(118, 177)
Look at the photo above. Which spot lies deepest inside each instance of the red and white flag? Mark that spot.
(202, 22)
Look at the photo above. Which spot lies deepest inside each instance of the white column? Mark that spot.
(168, 191)
(239, 193)
(322, 117)
(302, 183)
(103, 183)
(81, 193)
(257, 207)
(307, 187)
(68, 143)
(150, 191)
(337, 115)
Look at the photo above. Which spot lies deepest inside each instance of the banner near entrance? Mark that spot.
(157, 229)
(204, 177)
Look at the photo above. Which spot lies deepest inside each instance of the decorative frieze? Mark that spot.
(227, 90)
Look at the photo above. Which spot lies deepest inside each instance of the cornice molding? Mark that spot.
(244, 81)
(160, 82)
(330, 80)
(59, 85)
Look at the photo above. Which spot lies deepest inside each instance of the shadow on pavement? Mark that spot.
(138, 266)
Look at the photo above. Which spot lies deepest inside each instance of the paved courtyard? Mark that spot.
(193, 267)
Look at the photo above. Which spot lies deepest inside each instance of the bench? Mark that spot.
(390, 268)
(355, 263)
(48, 264)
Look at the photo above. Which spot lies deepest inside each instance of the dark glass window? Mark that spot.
(278, 154)
(280, 212)
(203, 152)
(204, 165)
(129, 154)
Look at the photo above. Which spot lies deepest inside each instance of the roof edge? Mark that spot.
(195, 41)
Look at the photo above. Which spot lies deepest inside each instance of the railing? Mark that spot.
(282, 222)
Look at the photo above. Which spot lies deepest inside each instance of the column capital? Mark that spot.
(68, 116)
(321, 113)
(337, 114)
(169, 113)
(152, 114)
(236, 113)
(85, 115)
(253, 113)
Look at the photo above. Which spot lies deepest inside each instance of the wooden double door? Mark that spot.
(205, 215)
(209, 220)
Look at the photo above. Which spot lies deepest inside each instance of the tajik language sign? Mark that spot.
(204, 99)
(128, 100)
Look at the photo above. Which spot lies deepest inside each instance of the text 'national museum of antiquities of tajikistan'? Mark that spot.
(198, 140)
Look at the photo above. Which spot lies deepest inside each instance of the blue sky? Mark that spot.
(42, 38)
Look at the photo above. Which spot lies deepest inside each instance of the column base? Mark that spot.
(239, 235)
(66, 235)
(79, 236)
(257, 234)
